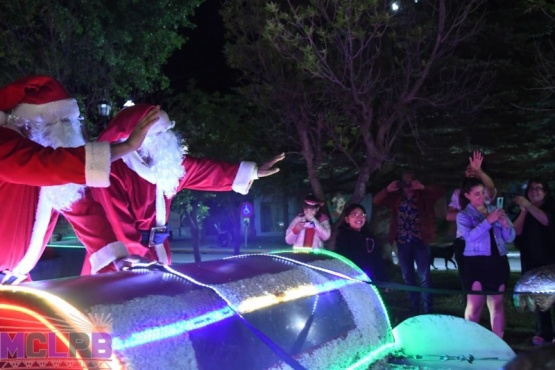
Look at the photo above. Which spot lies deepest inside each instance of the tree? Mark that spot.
(191, 206)
(350, 77)
(545, 46)
(510, 127)
(93, 46)
(219, 127)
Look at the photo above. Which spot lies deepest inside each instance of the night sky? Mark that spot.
(201, 58)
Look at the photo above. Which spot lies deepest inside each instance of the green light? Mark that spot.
(79, 246)
(324, 252)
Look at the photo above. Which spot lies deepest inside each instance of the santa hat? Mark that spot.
(37, 98)
(121, 126)
(312, 201)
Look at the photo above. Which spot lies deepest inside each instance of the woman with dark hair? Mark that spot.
(486, 231)
(355, 242)
(536, 241)
(310, 228)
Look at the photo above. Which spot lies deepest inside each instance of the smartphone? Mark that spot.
(500, 202)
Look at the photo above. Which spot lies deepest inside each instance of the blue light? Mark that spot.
(171, 330)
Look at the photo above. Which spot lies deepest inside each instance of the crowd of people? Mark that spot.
(484, 232)
(116, 193)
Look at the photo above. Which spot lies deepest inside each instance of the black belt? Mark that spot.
(156, 235)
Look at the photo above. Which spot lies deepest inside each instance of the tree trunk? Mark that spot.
(195, 233)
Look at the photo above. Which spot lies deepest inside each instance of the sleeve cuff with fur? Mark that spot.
(245, 175)
(107, 255)
(97, 164)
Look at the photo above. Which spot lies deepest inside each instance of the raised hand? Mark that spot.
(266, 169)
(137, 137)
(140, 131)
(522, 202)
(416, 185)
(475, 161)
(394, 186)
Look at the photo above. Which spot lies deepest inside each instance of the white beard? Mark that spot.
(166, 160)
(66, 135)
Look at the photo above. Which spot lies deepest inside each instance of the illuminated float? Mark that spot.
(300, 309)
(535, 289)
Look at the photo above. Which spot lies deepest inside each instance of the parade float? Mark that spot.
(300, 309)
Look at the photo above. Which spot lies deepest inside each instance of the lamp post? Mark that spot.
(104, 108)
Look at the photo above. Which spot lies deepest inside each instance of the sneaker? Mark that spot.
(538, 341)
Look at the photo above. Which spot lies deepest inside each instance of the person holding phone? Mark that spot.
(536, 241)
(473, 170)
(310, 228)
(486, 231)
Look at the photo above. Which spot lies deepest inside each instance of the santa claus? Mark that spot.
(45, 165)
(143, 183)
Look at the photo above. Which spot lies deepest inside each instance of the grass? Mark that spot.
(519, 327)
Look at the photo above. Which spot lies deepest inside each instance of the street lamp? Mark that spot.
(104, 108)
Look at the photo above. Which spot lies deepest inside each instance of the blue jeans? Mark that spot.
(544, 326)
(409, 254)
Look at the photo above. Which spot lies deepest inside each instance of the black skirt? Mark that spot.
(491, 271)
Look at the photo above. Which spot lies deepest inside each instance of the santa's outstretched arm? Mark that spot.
(210, 175)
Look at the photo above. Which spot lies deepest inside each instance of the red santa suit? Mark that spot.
(28, 218)
(134, 203)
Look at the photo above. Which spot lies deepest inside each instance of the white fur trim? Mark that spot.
(135, 163)
(49, 112)
(161, 125)
(97, 164)
(3, 118)
(160, 207)
(107, 255)
(161, 253)
(245, 175)
(34, 251)
(161, 221)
